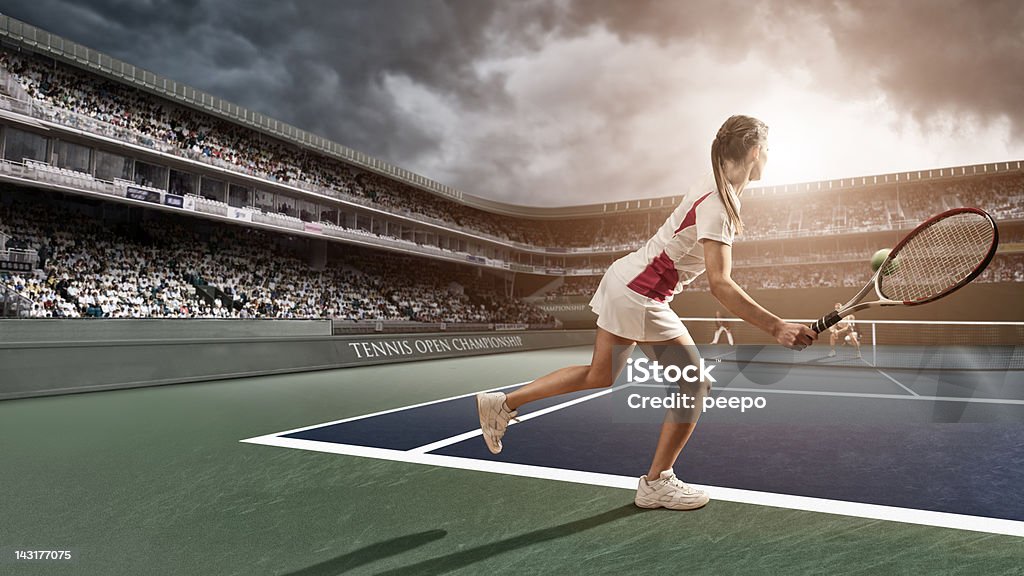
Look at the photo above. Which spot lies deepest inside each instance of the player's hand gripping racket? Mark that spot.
(937, 258)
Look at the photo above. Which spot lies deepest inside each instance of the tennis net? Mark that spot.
(876, 343)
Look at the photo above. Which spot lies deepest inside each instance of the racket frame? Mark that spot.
(854, 304)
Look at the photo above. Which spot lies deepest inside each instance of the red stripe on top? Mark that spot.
(660, 277)
(691, 217)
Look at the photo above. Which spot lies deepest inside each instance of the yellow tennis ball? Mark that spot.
(878, 258)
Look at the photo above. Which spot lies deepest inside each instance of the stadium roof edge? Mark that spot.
(41, 41)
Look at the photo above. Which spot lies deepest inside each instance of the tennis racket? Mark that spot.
(935, 259)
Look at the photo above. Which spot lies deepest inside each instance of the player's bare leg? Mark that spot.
(660, 487)
(497, 409)
(610, 354)
(678, 424)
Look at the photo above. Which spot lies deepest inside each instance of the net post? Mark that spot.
(874, 345)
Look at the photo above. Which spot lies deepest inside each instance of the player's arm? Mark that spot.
(718, 264)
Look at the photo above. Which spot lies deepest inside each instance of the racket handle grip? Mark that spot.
(827, 321)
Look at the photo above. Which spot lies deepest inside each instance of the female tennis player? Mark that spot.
(632, 306)
(721, 327)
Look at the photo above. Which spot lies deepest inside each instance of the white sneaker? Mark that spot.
(832, 354)
(668, 492)
(494, 417)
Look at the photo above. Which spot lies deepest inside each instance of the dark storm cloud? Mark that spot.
(967, 56)
(318, 65)
(924, 53)
(341, 69)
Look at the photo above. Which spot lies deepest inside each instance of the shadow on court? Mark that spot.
(371, 553)
(444, 564)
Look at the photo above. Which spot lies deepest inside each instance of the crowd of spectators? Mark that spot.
(198, 135)
(850, 273)
(818, 213)
(575, 286)
(1008, 268)
(172, 266)
(1003, 268)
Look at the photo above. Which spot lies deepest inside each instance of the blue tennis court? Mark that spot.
(936, 447)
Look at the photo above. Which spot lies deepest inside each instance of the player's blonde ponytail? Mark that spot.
(734, 140)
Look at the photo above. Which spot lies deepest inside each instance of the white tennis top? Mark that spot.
(674, 257)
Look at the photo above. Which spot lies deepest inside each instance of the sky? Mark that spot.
(567, 102)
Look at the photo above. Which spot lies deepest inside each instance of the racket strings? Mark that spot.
(938, 258)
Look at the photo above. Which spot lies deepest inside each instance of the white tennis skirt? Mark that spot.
(625, 313)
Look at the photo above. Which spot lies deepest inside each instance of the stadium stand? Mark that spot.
(171, 266)
(74, 96)
(182, 267)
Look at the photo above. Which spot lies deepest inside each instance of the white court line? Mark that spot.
(897, 382)
(854, 509)
(857, 395)
(467, 435)
(382, 412)
(719, 357)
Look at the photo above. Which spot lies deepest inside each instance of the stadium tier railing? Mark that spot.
(13, 304)
(44, 173)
